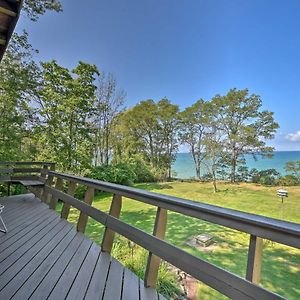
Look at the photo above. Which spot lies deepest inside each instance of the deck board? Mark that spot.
(43, 257)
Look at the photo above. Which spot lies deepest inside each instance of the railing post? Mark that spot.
(153, 262)
(58, 186)
(45, 196)
(83, 218)
(109, 235)
(66, 207)
(254, 259)
(44, 171)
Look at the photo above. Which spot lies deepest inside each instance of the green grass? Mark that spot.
(281, 264)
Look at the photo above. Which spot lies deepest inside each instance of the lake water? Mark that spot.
(184, 165)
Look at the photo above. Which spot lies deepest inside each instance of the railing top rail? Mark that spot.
(284, 232)
(18, 163)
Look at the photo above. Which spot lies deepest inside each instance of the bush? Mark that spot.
(121, 173)
(142, 171)
(265, 177)
(289, 180)
(133, 170)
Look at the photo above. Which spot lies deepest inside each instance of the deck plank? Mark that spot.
(147, 293)
(113, 288)
(37, 276)
(97, 283)
(17, 281)
(18, 265)
(24, 231)
(130, 286)
(64, 284)
(26, 242)
(50, 279)
(84, 275)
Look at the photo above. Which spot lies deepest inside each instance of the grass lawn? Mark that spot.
(281, 264)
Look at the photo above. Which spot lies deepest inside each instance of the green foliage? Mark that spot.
(142, 171)
(18, 77)
(127, 172)
(149, 129)
(289, 180)
(120, 173)
(35, 8)
(265, 177)
(66, 100)
(294, 168)
(245, 126)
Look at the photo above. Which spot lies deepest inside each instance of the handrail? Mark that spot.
(17, 172)
(10, 163)
(283, 232)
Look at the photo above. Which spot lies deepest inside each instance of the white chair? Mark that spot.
(4, 229)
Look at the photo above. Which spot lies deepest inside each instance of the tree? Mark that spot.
(35, 8)
(168, 121)
(18, 85)
(245, 125)
(294, 168)
(109, 102)
(194, 123)
(66, 105)
(149, 129)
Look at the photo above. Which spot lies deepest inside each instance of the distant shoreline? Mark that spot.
(185, 169)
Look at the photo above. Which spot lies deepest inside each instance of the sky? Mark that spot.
(184, 50)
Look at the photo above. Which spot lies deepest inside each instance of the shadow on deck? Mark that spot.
(43, 257)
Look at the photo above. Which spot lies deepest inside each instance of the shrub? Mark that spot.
(265, 177)
(143, 172)
(288, 180)
(121, 173)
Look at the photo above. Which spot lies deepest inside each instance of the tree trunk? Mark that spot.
(233, 167)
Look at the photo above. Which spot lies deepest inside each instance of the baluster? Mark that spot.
(153, 262)
(83, 218)
(66, 206)
(255, 254)
(109, 235)
(53, 199)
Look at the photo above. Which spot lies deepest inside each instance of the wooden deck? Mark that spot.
(43, 257)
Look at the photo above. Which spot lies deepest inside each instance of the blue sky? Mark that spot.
(185, 50)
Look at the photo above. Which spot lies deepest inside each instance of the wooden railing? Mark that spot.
(229, 284)
(18, 172)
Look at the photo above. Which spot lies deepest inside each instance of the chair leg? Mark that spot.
(4, 227)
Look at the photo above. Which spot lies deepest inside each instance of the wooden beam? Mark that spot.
(2, 42)
(83, 218)
(254, 259)
(109, 235)
(153, 262)
(7, 11)
(66, 206)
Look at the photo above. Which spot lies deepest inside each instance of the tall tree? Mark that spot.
(195, 122)
(150, 129)
(18, 85)
(66, 105)
(109, 102)
(245, 125)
